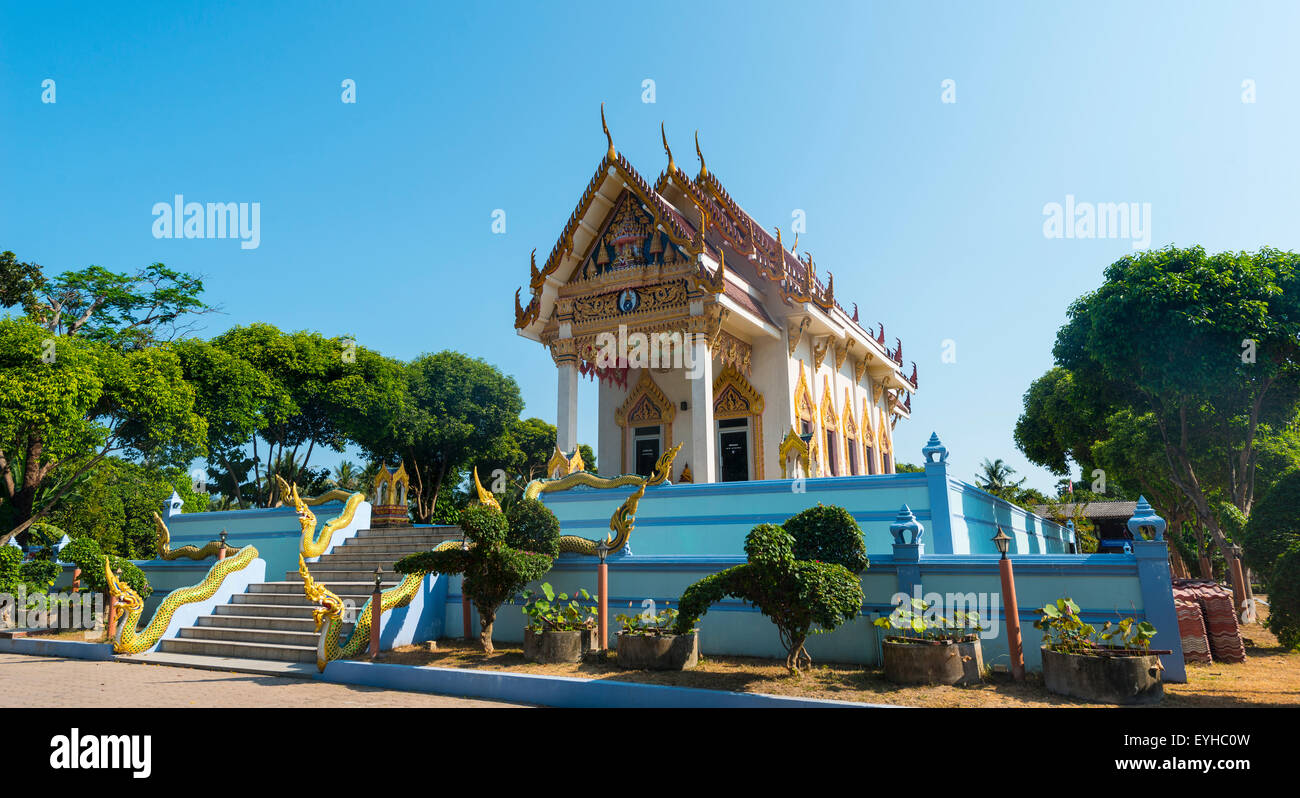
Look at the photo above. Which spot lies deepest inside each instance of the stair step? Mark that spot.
(276, 622)
(436, 531)
(231, 648)
(339, 586)
(241, 635)
(292, 599)
(334, 576)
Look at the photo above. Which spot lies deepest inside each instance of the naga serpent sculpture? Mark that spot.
(314, 545)
(129, 603)
(328, 614)
(165, 552)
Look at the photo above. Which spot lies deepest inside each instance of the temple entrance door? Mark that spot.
(645, 450)
(733, 450)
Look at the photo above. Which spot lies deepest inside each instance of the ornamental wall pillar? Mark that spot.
(703, 446)
(566, 424)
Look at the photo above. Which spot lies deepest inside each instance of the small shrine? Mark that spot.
(389, 492)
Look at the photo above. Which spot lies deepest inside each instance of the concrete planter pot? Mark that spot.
(550, 646)
(659, 652)
(924, 662)
(972, 661)
(1121, 677)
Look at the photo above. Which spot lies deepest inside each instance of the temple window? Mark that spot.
(853, 456)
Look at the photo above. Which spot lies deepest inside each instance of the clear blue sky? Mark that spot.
(376, 216)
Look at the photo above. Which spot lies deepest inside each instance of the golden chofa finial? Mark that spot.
(794, 250)
(612, 154)
(672, 167)
(704, 170)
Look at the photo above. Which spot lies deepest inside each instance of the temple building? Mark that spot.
(703, 329)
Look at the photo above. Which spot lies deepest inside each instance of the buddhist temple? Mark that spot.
(704, 329)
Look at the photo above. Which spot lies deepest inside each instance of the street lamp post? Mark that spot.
(1014, 645)
(375, 599)
(602, 588)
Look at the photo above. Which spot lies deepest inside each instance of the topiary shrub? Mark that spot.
(493, 570)
(1274, 524)
(1271, 544)
(533, 527)
(86, 555)
(795, 593)
(828, 534)
(1284, 598)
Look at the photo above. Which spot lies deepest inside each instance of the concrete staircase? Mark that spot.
(272, 620)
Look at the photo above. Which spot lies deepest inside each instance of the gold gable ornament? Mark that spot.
(561, 464)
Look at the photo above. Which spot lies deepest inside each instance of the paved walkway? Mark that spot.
(27, 681)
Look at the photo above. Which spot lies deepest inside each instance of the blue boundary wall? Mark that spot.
(1106, 587)
(712, 519)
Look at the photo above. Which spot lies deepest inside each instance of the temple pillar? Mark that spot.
(566, 424)
(703, 454)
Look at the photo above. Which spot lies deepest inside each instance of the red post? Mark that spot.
(112, 619)
(375, 601)
(76, 580)
(602, 588)
(1014, 644)
(221, 554)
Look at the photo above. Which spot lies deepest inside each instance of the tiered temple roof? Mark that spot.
(703, 222)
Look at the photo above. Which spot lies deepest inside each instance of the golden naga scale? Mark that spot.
(129, 605)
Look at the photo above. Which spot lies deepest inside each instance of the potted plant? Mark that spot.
(929, 648)
(648, 641)
(559, 628)
(1113, 665)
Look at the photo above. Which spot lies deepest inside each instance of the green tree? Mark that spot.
(995, 477)
(794, 593)
(155, 304)
(67, 403)
(504, 555)
(324, 392)
(114, 505)
(1203, 350)
(346, 477)
(458, 411)
(18, 281)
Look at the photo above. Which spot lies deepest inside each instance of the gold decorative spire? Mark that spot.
(704, 170)
(672, 167)
(612, 154)
(794, 250)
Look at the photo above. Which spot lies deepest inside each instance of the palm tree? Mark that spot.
(346, 476)
(995, 477)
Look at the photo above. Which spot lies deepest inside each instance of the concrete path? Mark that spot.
(27, 681)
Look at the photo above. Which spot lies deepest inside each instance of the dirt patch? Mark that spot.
(1269, 677)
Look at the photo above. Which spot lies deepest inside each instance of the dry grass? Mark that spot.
(1270, 676)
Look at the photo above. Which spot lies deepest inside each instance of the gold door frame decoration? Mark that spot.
(871, 451)
(886, 444)
(851, 437)
(805, 409)
(645, 405)
(734, 397)
(830, 423)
